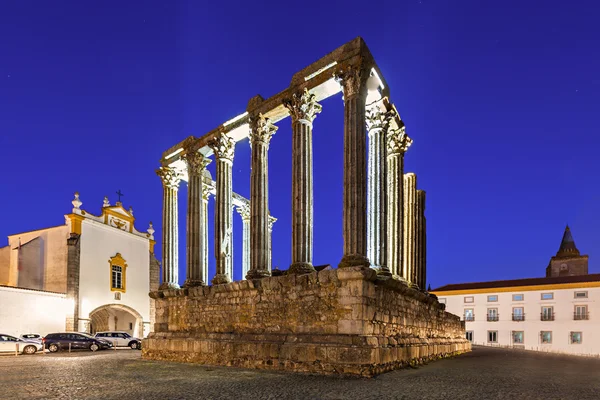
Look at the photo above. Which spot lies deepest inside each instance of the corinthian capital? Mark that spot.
(170, 177)
(261, 129)
(377, 119)
(353, 80)
(398, 141)
(195, 162)
(244, 211)
(223, 146)
(303, 106)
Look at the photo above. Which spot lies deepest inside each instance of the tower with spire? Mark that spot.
(567, 261)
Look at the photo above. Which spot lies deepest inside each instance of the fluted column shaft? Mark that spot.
(355, 168)
(409, 261)
(244, 212)
(195, 221)
(422, 240)
(206, 193)
(303, 109)
(261, 131)
(397, 143)
(271, 222)
(170, 178)
(223, 147)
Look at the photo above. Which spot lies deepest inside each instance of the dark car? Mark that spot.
(78, 341)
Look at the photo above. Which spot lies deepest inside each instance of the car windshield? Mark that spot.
(127, 335)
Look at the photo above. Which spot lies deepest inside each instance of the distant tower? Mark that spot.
(567, 261)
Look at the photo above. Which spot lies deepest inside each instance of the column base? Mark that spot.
(168, 286)
(220, 279)
(354, 260)
(301, 268)
(257, 274)
(193, 282)
(384, 273)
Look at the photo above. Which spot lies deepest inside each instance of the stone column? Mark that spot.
(409, 266)
(377, 124)
(397, 144)
(422, 240)
(303, 109)
(353, 81)
(223, 146)
(196, 164)
(261, 131)
(271, 222)
(206, 193)
(170, 179)
(245, 214)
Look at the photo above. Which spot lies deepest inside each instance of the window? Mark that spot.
(493, 336)
(493, 297)
(518, 314)
(581, 295)
(518, 337)
(546, 337)
(130, 325)
(118, 273)
(469, 299)
(576, 338)
(469, 316)
(547, 314)
(581, 313)
(547, 296)
(470, 336)
(492, 314)
(518, 297)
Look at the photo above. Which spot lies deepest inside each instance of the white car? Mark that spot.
(10, 344)
(121, 339)
(32, 337)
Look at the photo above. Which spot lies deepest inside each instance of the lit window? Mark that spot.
(546, 337)
(469, 299)
(547, 296)
(518, 297)
(493, 336)
(470, 336)
(469, 315)
(118, 273)
(581, 313)
(547, 314)
(117, 277)
(518, 314)
(492, 314)
(517, 337)
(581, 295)
(493, 297)
(576, 338)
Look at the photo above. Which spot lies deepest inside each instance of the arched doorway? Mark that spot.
(116, 317)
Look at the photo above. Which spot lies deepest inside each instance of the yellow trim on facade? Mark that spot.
(118, 261)
(75, 223)
(108, 211)
(553, 286)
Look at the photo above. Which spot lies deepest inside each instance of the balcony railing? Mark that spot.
(518, 317)
(469, 318)
(581, 316)
(547, 317)
(492, 318)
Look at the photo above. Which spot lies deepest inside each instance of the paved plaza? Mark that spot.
(483, 374)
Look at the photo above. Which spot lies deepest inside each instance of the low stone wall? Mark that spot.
(340, 321)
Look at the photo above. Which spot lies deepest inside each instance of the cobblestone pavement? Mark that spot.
(483, 374)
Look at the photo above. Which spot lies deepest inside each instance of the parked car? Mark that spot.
(78, 341)
(32, 337)
(8, 344)
(121, 339)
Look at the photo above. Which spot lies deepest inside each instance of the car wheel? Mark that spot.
(94, 347)
(134, 345)
(29, 350)
(53, 348)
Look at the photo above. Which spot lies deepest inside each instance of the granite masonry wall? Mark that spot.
(339, 321)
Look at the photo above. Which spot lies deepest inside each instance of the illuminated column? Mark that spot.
(245, 214)
(422, 240)
(377, 124)
(223, 146)
(261, 131)
(271, 222)
(303, 109)
(196, 164)
(170, 178)
(397, 144)
(353, 81)
(409, 267)
(206, 193)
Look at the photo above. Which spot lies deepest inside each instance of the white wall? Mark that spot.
(30, 311)
(99, 243)
(564, 306)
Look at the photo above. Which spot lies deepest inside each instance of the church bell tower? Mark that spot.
(567, 261)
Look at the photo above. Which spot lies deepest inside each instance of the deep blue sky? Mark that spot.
(502, 99)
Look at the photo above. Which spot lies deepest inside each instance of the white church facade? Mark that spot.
(91, 274)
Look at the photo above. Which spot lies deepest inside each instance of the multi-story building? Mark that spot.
(558, 313)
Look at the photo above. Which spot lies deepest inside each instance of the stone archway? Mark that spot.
(116, 317)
